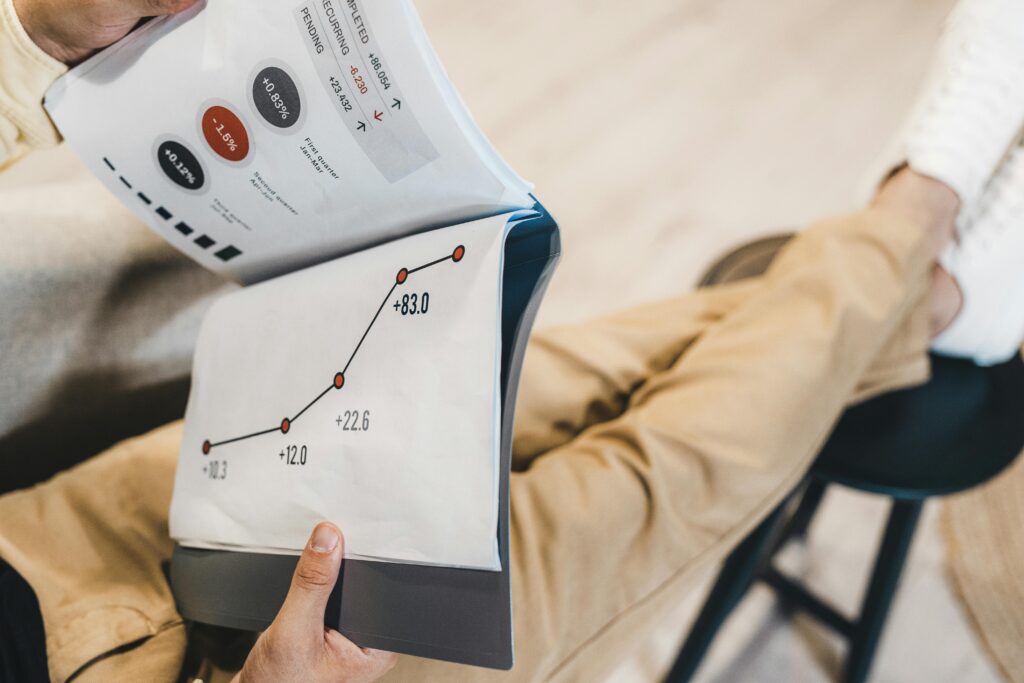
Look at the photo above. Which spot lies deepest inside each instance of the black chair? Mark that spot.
(960, 429)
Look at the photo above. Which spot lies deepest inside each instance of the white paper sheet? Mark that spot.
(391, 394)
(261, 136)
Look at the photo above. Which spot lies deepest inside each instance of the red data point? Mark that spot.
(339, 380)
(459, 252)
(402, 276)
(206, 448)
(285, 424)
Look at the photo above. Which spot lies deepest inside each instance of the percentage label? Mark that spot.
(225, 133)
(229, 141)
(180, 165)
(276, 97)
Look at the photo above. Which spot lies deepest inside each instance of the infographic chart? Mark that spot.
(364, 391)
(273, 134)
(409, 304)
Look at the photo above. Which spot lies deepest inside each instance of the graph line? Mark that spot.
(339, 377)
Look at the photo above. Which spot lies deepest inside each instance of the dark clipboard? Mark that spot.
(458, 615)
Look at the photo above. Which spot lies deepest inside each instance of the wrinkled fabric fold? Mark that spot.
(647, 444)
(26, 72)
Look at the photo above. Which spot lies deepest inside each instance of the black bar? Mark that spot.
(738, 573)
(892, 555)
(229, 252)
(795, 594)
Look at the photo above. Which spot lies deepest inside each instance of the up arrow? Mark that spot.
(361, 126)
(397, 104)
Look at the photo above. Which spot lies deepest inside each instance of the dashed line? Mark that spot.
(203, 241)
(227, 253)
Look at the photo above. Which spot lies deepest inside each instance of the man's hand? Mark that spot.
(297, 646)
(71, 30)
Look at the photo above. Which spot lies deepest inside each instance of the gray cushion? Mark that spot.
(98, 318)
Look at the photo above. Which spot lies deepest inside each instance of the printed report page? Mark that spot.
(261, 136)
(364, 390)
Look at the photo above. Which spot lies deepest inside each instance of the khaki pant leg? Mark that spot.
(610, 529)
(113, 508)
(91, 542)
(578, 375)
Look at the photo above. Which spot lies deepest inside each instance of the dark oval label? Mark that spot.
(180, 165)
(225, 133)
(276, 97)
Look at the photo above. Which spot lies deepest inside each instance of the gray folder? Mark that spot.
(459, 615)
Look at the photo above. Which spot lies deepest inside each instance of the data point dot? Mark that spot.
(285, 425)
(206, 447)
(339, 380)
(459, 252)
(402, 276)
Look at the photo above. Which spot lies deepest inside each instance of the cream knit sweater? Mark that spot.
(25, 74)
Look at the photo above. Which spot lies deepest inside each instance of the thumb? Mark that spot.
(314, 579)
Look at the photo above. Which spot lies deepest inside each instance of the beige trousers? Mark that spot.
(648, 443)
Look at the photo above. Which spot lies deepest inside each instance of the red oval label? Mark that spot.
(225, 133)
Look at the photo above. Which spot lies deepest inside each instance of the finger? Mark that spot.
(314, 579)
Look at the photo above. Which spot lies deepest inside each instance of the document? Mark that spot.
(316, 151)
(363, 390)
(259, 136)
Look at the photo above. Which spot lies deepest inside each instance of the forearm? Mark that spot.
(25, 74)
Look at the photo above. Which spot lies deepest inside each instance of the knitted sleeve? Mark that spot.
(25, 74)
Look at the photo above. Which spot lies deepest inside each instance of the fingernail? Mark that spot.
(324, 539)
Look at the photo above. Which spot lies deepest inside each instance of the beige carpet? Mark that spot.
(985, 532)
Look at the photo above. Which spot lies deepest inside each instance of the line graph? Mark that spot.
(338, 381)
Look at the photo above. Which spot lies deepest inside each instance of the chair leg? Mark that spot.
(809, 495)
(892, 554)
(739, 571)
(809, 503)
